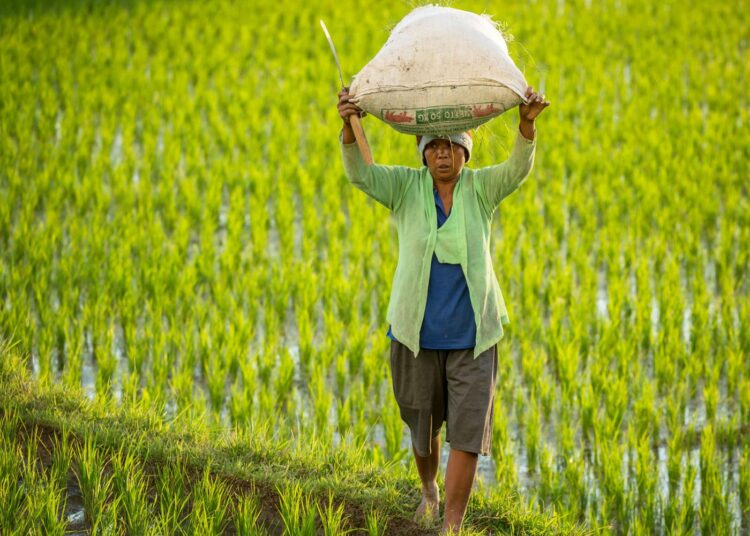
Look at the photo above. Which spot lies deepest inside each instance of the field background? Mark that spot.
(176, 231)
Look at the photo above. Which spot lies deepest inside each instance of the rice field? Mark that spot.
(178, 238)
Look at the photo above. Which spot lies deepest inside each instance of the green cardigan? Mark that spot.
(463, 239)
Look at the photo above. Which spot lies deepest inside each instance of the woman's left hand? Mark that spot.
(536, 104)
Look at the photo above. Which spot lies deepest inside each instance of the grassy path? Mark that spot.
(206, 479)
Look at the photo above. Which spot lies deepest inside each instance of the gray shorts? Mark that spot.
(450, 386)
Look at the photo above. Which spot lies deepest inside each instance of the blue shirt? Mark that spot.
(448, 318)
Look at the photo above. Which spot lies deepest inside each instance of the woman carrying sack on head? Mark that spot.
(446, 310)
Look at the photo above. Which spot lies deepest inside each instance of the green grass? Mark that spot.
(200, 476)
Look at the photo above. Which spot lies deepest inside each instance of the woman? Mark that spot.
(446, 309)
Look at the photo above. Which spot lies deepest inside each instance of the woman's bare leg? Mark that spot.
(427, 466)
(459, 477)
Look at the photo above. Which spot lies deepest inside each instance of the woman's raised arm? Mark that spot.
(498, 181)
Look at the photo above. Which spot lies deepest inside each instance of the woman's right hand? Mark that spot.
(346, 108)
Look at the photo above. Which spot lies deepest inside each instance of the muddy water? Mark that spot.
(74, 513)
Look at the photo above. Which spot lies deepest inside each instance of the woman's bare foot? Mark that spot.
(428, 511)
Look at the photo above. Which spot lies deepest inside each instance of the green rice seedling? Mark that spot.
(393, 429)
(744, 488)
(284, 378)
(343, 416)
(305, 330)
(562, 417)
(575, 488)
(341, 373)
(506, 473)
(181, 385)
(210, 498)
(333, 519)
(345, 292)
(567, 366)
(240, 404)
(172, 497)
(265, 364)
(700, 342)
(587, 401)
(518, 403)
(644, 408)
(371, 363)
(284, 216)
(131, 384)
(332, 342)
(322, 398)
(45, 350)
(266, 404)
(248, 373)
(297, 515)
(646, 481)
(376, 523)
(205, 346)
(236, 349)
(500, 436)
(294, 405)
(45, 503)
(106, 361)
(131, 486)
(62, 455)
(617, 402)
(532, 363)
(548, 395)
(664, 359)
(548, 486)
(612, 481)
(73, 354)
(30, 459)
(734, 374)
(670, 515)
(643, 304)
(10, 421)
(674, 459)
(714, 511)
(134, 358)
(259, 222)
(12, 493)
(710, 398)
(357, 344)
(246, 519)
(157, 383)
(380, 374)
(502, 449)
(688, 514)
(532, 424)
(244, 334)
(95, 484)
(280, 291)
(617, 296)
(744, 399)
(356, 402)
(216, 378)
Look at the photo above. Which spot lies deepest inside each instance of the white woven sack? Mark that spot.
(442, 70)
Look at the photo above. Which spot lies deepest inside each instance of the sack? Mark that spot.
(441, 71)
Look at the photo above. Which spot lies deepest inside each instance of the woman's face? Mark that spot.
(445, 160)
